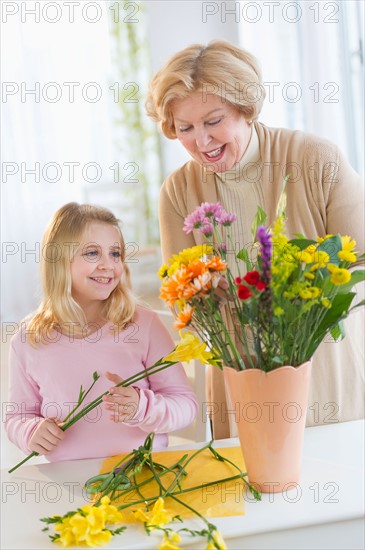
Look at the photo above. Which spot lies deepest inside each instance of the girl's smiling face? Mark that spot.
(212, 130)
(97, 266)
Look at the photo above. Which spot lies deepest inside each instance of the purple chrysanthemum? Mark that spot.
(207, 228)
(227, 219)
(212, 210)
(208, 213)
(193, 220)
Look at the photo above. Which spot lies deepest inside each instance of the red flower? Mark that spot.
(238, 280)
(252, 277)
(244, 292)
(260, 285)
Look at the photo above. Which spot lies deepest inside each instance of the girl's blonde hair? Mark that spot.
(218, 68)
(58, 310)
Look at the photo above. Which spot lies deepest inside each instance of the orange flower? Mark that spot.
(189, 291)
(203, 282)
(196, 268)
(169, 292)
(184, 317)
(176, 287)
(216, 264)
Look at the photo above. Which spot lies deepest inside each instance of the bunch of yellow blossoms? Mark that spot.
(87, 525)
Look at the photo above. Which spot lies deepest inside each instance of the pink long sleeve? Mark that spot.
(45, 381)
(23, 410)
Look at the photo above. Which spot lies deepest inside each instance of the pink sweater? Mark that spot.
(45, 382)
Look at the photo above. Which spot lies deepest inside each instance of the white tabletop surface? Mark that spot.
(326, 511)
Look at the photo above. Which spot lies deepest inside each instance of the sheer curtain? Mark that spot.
(66, 134)
(311, 55)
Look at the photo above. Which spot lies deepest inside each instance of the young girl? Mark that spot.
(89, 321)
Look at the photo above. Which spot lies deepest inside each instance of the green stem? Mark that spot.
(23, 461)
(96, 378)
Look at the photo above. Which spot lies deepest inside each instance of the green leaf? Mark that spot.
(53, 519)
(332, 246)
(243, 255)
(117, 531)
(302, 243)
(280, 209)
(259, 219)
(340, 306)
(338, 331)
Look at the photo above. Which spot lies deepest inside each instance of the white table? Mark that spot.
(325, 513)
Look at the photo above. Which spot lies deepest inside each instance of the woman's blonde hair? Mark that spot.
(218, 68)
(58, 310)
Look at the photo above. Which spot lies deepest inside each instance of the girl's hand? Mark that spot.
(46, 437)
(122, 401)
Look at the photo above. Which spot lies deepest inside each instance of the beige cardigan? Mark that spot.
(324, 195)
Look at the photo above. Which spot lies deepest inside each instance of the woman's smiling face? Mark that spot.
(212, 130)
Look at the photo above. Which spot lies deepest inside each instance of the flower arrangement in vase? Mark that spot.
(285, 297)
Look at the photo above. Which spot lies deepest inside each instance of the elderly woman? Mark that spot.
(210, 98)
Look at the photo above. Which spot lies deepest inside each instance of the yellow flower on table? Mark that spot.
(218, 542)
(99, 539)
(87, 526)
(80, 526)
(169, 541)
(67, 538)
(96, 520)
(112, 514)
(158, 517)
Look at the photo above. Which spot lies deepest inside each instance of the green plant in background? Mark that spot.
(137, 139)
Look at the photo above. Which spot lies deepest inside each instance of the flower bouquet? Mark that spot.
(281, 297)
(292, 295)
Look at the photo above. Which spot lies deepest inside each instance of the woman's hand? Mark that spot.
(220, 292)
(46, 437)
(122, 401)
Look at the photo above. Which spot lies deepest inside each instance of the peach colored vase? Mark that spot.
(270, 412)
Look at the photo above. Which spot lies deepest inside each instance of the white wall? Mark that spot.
(173, 26)
(298, 42)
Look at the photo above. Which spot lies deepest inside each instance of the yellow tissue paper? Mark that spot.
(220, 499)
